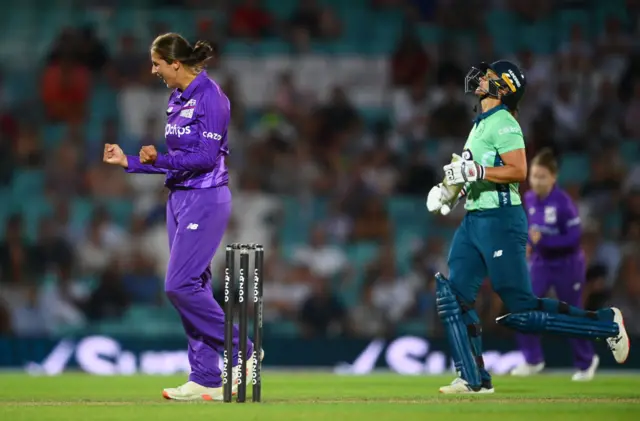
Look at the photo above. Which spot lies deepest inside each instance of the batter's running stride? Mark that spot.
(492, 238)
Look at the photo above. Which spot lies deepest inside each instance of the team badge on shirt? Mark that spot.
(186, 113)
(550, 215)
(187, 110)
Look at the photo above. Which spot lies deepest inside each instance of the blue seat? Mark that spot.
(285, 328)
(407, 210)
(430, 34)
(81, 211)
(33, 209)
(567, 19)
(629, 150)
(120, 211)
(282, 9)
(240, 48)
(271, 47)
(372, 115)
(538, 37)
(362, 253)
(574, 168)
(27, 183)
(53, 134)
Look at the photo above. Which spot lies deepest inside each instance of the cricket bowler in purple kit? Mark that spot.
(556, 261)
(199, 204)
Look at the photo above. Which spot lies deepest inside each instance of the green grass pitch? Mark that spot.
(313, 396)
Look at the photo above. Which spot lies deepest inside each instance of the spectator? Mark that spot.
(28, 151)
(632, 115)
(16, 255)
(128, 64)
(393, 295)
(323, 314)
(5, 318)
(63, 300)
(411, 111)
(91, 51)
(249, 20)
(373, 223)
(238, 112)
(613, 47)
(337, 225)
(606, 118)
(117, 188)
(288, 292)
(450, 118)
(314, 21)
(576, 48)
(324, 260)
(380, 172)
(102, 239)
(7, 161)
(567, 114)
(626, 293)
(63, 172)
(418, 174)
(52, 251)
(337, 120)
(65, 46)
(141, 284)
(109, 300)
(409, 62)
(65, 90)
(28, 317)
(366, 320)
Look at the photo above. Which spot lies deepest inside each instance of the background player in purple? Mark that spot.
(199, 204)
(556, 261)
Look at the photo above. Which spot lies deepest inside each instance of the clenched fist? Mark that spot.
(113, 155)
(148, 155)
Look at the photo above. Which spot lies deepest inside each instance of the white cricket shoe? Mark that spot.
(236, 372)
(587, 375)
(620, 344)
(525, 369)
(461, 386)
(192, 391)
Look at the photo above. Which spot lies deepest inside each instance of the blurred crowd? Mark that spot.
(583, 99)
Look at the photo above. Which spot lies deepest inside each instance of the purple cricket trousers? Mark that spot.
(567, 277)
(196, 222)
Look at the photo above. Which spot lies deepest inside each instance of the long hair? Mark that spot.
(173, 47)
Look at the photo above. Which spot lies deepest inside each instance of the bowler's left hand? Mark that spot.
(148, 154)
(463, 171)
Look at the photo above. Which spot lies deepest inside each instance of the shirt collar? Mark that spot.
(545, 200)
(489, 113)
(193, 86)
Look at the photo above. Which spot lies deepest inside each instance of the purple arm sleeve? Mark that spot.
(203, 158)
(211, 124)
(135, 167)
(570, 238)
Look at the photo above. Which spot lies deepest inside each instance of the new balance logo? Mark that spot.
(192, 227)
(497, 253)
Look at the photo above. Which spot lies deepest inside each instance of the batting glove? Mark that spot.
(435, 198)
(440, 201)
(463, 171)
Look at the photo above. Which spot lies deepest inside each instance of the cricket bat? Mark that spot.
(451, 193)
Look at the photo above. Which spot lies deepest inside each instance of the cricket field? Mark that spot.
(316, 396)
